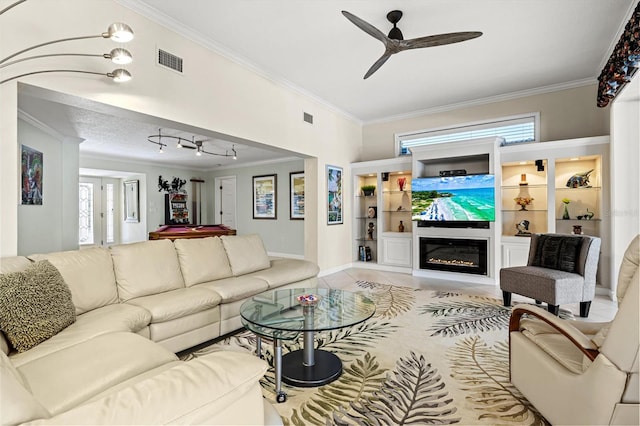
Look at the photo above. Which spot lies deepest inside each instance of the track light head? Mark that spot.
(120, 75)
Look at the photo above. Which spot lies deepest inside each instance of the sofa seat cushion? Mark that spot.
(220, 388)
(146, 268)
(175, 304)
(73, 375)
(89, 275)
(108, 319)
(202, 260)
(549, 285)
(287, 271)
(236, 288)
(17, 404)
(246, 253)
(35, 304)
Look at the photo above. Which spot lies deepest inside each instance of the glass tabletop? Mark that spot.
(281, 311)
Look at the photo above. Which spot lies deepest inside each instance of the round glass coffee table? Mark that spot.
(284, 314)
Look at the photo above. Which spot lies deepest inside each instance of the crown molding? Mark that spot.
(173, 25)
(488, 100)
(28, 118)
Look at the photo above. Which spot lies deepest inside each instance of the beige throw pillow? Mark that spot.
(35, 304)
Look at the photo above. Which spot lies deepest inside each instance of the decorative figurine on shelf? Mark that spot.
(587, 216)
(401, 227)
(370, 231)
(577, 229)
(372, 211)
(401, 182)
(523, 202)
(565, 215)
(579, 180)
(523, 228)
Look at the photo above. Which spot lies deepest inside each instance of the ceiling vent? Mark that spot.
(308, 118)
(170, 60)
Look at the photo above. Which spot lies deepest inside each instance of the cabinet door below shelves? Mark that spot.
(515, 254)
(396, 251)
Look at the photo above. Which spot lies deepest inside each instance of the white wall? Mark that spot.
(565, 114)
(152, 216)
(282, 235)
(625, 171)
(52, 226)
(214, 94)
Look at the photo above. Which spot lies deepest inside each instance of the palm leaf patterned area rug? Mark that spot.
(425, 357)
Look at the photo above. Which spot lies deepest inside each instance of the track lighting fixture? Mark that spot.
(197, 145)
(118, 32)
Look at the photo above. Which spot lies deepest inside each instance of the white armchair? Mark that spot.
(577, 372)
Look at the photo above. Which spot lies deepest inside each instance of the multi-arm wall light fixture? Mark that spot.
(188, 144)
(118, 32)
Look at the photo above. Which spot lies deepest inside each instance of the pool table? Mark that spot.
(173, 232)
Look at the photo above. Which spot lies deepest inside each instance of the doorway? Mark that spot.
(99, 206)
(225, 201)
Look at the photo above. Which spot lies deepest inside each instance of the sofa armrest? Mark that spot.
(582, 342)
(218, 388)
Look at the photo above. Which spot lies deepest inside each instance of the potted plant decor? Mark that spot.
(368, 190)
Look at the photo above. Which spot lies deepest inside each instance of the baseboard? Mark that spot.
(325, 272)
(285, 255)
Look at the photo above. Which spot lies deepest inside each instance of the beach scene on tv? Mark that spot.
(466, 198)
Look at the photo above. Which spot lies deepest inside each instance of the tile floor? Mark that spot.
(602, 308)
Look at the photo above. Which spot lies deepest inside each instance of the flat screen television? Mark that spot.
(469, 198)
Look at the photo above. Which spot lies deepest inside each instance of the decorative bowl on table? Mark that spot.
(308, 299)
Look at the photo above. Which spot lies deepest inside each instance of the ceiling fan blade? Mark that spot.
(438, 40)
(377, 64)
(366, 27)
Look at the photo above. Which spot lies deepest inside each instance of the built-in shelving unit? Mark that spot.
(377, 218)
(555, 172)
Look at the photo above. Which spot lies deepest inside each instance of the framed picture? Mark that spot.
(334, 195)
(131, 201)
(264, 197)
(296, 202)
(31, 164)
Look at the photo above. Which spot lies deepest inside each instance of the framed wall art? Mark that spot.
(31, 166)
(131, 201)
(334, 195)
(296, 201)
(264, 197)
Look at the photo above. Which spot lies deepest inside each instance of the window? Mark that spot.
(86, 213)
(519, 129)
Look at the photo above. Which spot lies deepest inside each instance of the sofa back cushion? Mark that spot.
(89, 275)
(13, 264)
(35, 304)
(146, 268)
(202, 260)
(17, 404)
(246, 253)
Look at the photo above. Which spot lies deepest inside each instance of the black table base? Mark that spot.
(327, 368)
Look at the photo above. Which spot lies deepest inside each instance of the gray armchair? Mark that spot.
(561, 269)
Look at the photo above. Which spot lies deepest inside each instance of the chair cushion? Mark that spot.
(548, 285)
(557, 252)
(246, 253)
(202, 260)
(34, 305)
(89, 275)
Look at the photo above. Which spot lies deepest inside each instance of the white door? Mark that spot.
(98, 211)
(225, 201)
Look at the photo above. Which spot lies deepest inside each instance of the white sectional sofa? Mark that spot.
(135, 306)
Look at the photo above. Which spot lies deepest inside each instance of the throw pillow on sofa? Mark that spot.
(35, 304)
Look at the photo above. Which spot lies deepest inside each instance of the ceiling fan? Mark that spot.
(395, 42)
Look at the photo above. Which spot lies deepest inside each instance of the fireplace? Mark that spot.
(454, 255)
